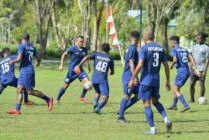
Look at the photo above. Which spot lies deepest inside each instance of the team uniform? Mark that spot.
(7, 75)
(102, 63)
(131, 53)
(153, 55)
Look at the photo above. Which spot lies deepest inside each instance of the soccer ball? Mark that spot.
(88, 85)
(202, 100)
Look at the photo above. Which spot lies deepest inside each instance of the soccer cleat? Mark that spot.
(56, 102)
(85, 100)
(95, 105)
(185, 109)
(122, 120)
(191, 101)
(50, 104)
(168, 127)
(29, 102)
(14, 111)
(152, 132)
(97, 111)
(172, 108)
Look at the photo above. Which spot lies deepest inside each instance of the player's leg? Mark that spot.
(160, 108)
(174, 105)
(202, 87)
(134, 99)
(84, 78)
(96, 95)
(193, 79)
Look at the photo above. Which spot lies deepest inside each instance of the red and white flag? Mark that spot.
(111, 25)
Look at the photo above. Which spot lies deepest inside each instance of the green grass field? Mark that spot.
(73, 119)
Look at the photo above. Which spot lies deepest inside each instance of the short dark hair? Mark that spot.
(26, 36)
(106, 47)
(80, 36)
(203, 35)
(5, 50)
(175, 38)
(135, 34)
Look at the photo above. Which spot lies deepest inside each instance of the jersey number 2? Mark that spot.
(155, 59)
(101, 66)
(30, 56)
(5, 67)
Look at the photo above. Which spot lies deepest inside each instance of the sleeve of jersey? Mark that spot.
(20, 50)
(14, 57)
(141, 53)
(131, 53)
(173, 52)
(93, 55)
(70, 50)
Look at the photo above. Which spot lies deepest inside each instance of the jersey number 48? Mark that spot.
(101, 66)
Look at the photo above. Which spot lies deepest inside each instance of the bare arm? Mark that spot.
(173, 62)
(167, 74)
(18, 59)
(85, 59)
(132, 67)
(193, 64)
(38, 60)
(62, 60)
(88, 65)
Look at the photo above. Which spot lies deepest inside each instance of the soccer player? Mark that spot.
(102, 64)
(7, 74)
(200, 53)
(77, 53)
(151, 55)
(26, 80)
(180, 58)
(131, 61)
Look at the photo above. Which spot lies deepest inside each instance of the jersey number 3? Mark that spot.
(155, 60)
(101, 66)
(5, 67)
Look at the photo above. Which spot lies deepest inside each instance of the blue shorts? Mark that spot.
(102, 88)
(10, 82)
(127, 90)
(181, 79)
(147, 92)
(27, 80)
(71, 76)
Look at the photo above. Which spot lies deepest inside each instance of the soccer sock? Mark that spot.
(149, 115)
(83, 93)
(18, 106)
(192, 98)
(96, 100)
(183, 101)
(160, 109)
(61, 92)
(132, 101)
(101, 105)
(46, 98)
(25, 94)
(122, 107)
(175, 100)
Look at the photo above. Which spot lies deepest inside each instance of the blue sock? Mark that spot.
(83, 93)
(18, 106)
(183, 101)
(175, 100)
(101, 105)
(46, 98)
(149, 116)
(96, 100)
(122, 107)
(61, 92)
(25, 94)
(160, 109)
(131, 102)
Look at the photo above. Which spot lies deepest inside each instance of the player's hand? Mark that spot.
(37, 64)
(130, 84)
(168, 86)
(197, 72)
(60, 68)
(136, 81)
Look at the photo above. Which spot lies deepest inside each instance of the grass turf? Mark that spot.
(73, 119)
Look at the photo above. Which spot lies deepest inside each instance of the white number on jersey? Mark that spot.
(156, 59)
(101, 66)
(30, 56)
(5, 67)
(184, 57)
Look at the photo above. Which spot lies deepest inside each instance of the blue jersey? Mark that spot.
(7, 69)
(76, 55)
(182, 59)
(102, 63)
(131, 53)
(27, 51)
(153, 55)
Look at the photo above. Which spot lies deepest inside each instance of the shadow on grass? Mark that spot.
(186, 132)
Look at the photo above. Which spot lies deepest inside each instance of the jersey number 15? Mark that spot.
(5, 67)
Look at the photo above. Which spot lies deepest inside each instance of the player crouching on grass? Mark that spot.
(180, 58)
(77, 53)
(7, 74)
(102, 64)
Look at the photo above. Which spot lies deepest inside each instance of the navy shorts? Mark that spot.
(71, 76)
(181, 79)
(102, 88)
(194, 77)
(147, 92)
(127, 90)
(10, 82)
(27, 80)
